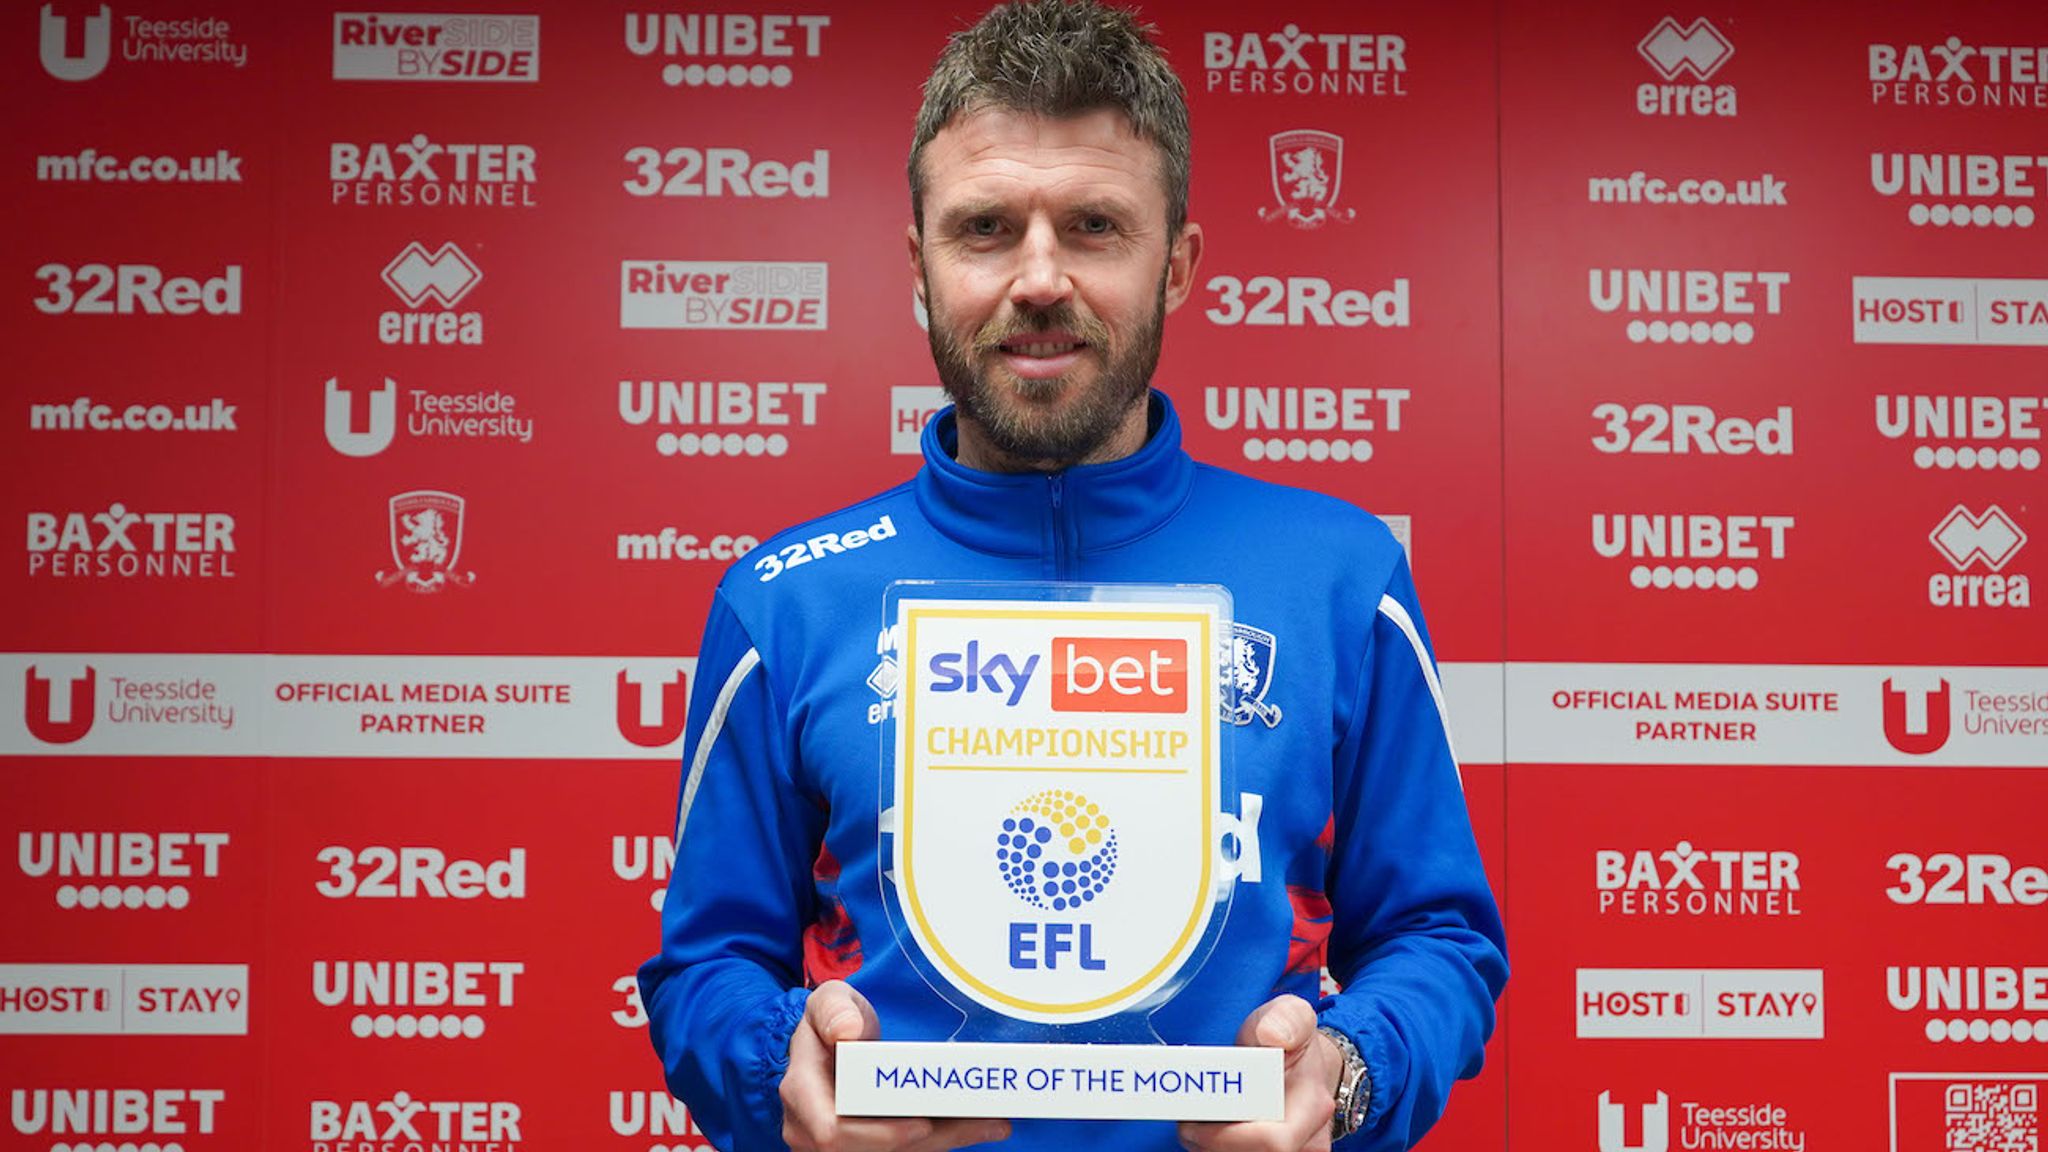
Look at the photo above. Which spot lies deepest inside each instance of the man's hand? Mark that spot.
(810, 1123)
(1311, 1068)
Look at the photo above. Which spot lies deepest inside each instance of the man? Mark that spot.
(1048, 181)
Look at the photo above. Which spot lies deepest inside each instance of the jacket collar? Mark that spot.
(1098, 506)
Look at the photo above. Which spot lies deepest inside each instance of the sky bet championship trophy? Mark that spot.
(1051, 787)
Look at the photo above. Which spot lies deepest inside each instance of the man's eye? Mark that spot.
(1097, 225)
(984, 226)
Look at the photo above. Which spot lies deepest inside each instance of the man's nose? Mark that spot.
(1041, 278)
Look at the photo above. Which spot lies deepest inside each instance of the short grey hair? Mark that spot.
(1060, 58)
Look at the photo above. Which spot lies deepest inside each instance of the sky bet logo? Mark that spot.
(1090, 674)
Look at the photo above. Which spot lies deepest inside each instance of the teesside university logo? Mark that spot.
(1916, 722)
(41, 714)
(89, 58)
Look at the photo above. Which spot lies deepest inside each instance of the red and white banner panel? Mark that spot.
(392, 387)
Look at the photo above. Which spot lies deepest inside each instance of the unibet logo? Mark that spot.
(1939, 183)
(1057, 850)
(652, 858)
(94, 45)
(1990, 429)
(1115, 674)
(1719, 303)
(737, 37)
(122, 856)
(423, 984)
(115, 1111)
(1916, 722)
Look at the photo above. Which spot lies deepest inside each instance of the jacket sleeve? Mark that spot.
(725, 991)
(1416, 942)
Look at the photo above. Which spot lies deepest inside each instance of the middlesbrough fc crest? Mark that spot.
(426, 542)
(1308, 172)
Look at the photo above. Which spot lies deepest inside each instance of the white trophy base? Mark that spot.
(1059, 1081)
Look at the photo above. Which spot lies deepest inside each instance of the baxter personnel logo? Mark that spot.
(59, 719)
(1081, 738)
(1308, 171)
(426, 542)
(89, 57)
(1057, 850)
(1916, 720)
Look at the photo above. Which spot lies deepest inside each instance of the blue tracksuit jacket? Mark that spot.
(1364, 854)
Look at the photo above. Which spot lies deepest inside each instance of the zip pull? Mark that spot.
(1058, 484)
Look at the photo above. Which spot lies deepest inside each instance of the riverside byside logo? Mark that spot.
(1057, 851)
(470, 47)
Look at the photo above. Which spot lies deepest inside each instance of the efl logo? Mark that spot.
(736, 417)
(1966, 878)
(136, 289)
(1697, 50)
(75, 58)
(1117, 674)
(442, 277)
(1959, 75)
(112, 1114)
(418, 873)
(1999, 424)
(1916, 719)
(122, 856)
(416, 984)
(1295, 62)
(1965, 540)
(1308, 172)
(1688, 881)
(1692, 306)
(59, 717)
(1975, 993)
(1946, 310)
(911, 407)
(178, 544)
(426, 542)
(421, 171)
(651, 858)
(405, 1122)
(728, 172)
(751, 296)
(749, 50)
(1300, 301)
(657, 726)
(1692, 537)
(418, 46)
(1682, 429)
(1938, 184)
(1701, 1004)
(124, 1000)
(1344, 416)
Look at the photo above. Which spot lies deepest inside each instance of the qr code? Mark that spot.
(1993, 1117)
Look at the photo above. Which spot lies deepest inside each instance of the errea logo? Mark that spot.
(1676, 52)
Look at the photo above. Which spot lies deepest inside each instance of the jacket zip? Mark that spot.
(1056, 486)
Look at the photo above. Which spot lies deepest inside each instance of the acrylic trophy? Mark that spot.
(1051, 784)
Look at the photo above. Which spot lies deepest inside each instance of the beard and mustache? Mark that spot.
(1012, 411)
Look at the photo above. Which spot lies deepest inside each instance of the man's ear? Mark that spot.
(916, 265)
(1181, 261)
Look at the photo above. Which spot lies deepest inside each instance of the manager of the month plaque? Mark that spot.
(1051, 782)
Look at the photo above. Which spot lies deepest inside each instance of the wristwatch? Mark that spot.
(1354, 1088)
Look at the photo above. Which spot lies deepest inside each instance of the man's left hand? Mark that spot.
(1311, 1068)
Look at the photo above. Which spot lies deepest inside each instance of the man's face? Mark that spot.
(1046, 269)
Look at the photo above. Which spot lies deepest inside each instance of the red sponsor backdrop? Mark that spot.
(1683, 337)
